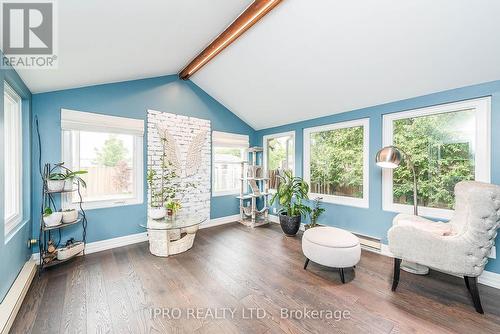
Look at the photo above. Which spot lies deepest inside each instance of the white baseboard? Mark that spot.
(14, 298)
(102, 245)
(220, 221)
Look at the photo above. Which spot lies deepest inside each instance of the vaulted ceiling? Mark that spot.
(305, 59)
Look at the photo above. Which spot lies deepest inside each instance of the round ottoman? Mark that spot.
(331, 247)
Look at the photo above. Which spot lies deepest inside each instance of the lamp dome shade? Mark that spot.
(388, 157)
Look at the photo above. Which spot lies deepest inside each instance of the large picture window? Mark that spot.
(447, 143)
(279, 155)
(228, 151)
(110, 149)
(13, 144)
(336, 162)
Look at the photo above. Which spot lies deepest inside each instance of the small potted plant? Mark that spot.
(51, 218)
(290, 194)
(55, 182)
(173, 206)
(71, 177)
(315, 212)
(69, 215)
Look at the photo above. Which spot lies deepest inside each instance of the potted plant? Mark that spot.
(69, 215)
(55, 182)
(70, 177)
(290, 194)
(173, 206)
(315, 212)
(51, 218)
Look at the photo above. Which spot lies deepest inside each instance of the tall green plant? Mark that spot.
(290, 194)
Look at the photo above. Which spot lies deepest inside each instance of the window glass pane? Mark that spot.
(336, 162)
(229, 154)
(227, 168)
(280, 153)
(108, 158)
(12, 159)
(442, 149)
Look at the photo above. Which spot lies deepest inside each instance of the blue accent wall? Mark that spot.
(128, 99)
(374, 221)
(13, 248)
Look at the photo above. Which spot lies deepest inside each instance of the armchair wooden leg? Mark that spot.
(397, 269)
(471, 283)
(305, 264)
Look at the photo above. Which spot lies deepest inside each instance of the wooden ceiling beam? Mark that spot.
(257, 10)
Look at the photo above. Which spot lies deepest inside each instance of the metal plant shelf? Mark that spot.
(63, 225)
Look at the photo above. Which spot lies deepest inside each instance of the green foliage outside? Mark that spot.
(439, 146)
(337, 162)
(111, 153)
(277, 152)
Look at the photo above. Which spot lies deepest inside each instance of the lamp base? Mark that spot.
(414, 268)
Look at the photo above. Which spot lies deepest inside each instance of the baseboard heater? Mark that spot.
(369, 243)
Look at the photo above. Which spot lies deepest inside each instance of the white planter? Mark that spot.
(55, 185)
(54, 219)
(68, 185)
(70, 251)
(69, 216)
(157, 213)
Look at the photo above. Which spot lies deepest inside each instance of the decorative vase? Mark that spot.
(54, 219)
(69, 216)
(289, 224)
(157, 213)
(55, 185)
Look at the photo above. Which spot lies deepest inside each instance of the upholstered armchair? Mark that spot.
(459, 247)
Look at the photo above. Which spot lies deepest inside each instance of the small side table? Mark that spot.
(171, 236)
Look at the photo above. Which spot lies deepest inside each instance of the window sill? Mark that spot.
(422, 211)
(10, 233)
(341, 200)
(226, 193)
(103, 204)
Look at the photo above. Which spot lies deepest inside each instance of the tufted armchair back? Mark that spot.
(477, 214)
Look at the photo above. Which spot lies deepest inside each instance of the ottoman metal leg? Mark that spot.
(305, 264)
(342, 278)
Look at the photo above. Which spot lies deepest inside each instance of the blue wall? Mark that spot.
(128, 99)
(374, 221)
(13, 247)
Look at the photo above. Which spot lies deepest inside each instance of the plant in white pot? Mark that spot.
(51, 218)
(69, 215)
(290, 194)
(55, 182)
(70, 178)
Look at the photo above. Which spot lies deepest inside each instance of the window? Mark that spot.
(279, 155)
(447, 144)
(13, 144)
(228, 152)
(110, 149)
(336, 162)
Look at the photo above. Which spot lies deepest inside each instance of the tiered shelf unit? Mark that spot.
(254, 185)
(48, 233)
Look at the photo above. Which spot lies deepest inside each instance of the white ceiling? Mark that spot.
(116, 40)
(308, 59)
(305, 59)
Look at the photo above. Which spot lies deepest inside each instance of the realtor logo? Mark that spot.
(28, 31)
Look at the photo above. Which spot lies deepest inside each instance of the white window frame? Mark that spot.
(84, 121)
(482, 167)
(15, 131)
(335, 199)
(266, 138)
(244, 144)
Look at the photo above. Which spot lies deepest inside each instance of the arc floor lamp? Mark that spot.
(390, 157)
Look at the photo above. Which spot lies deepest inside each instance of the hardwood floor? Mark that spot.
(237, 269)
